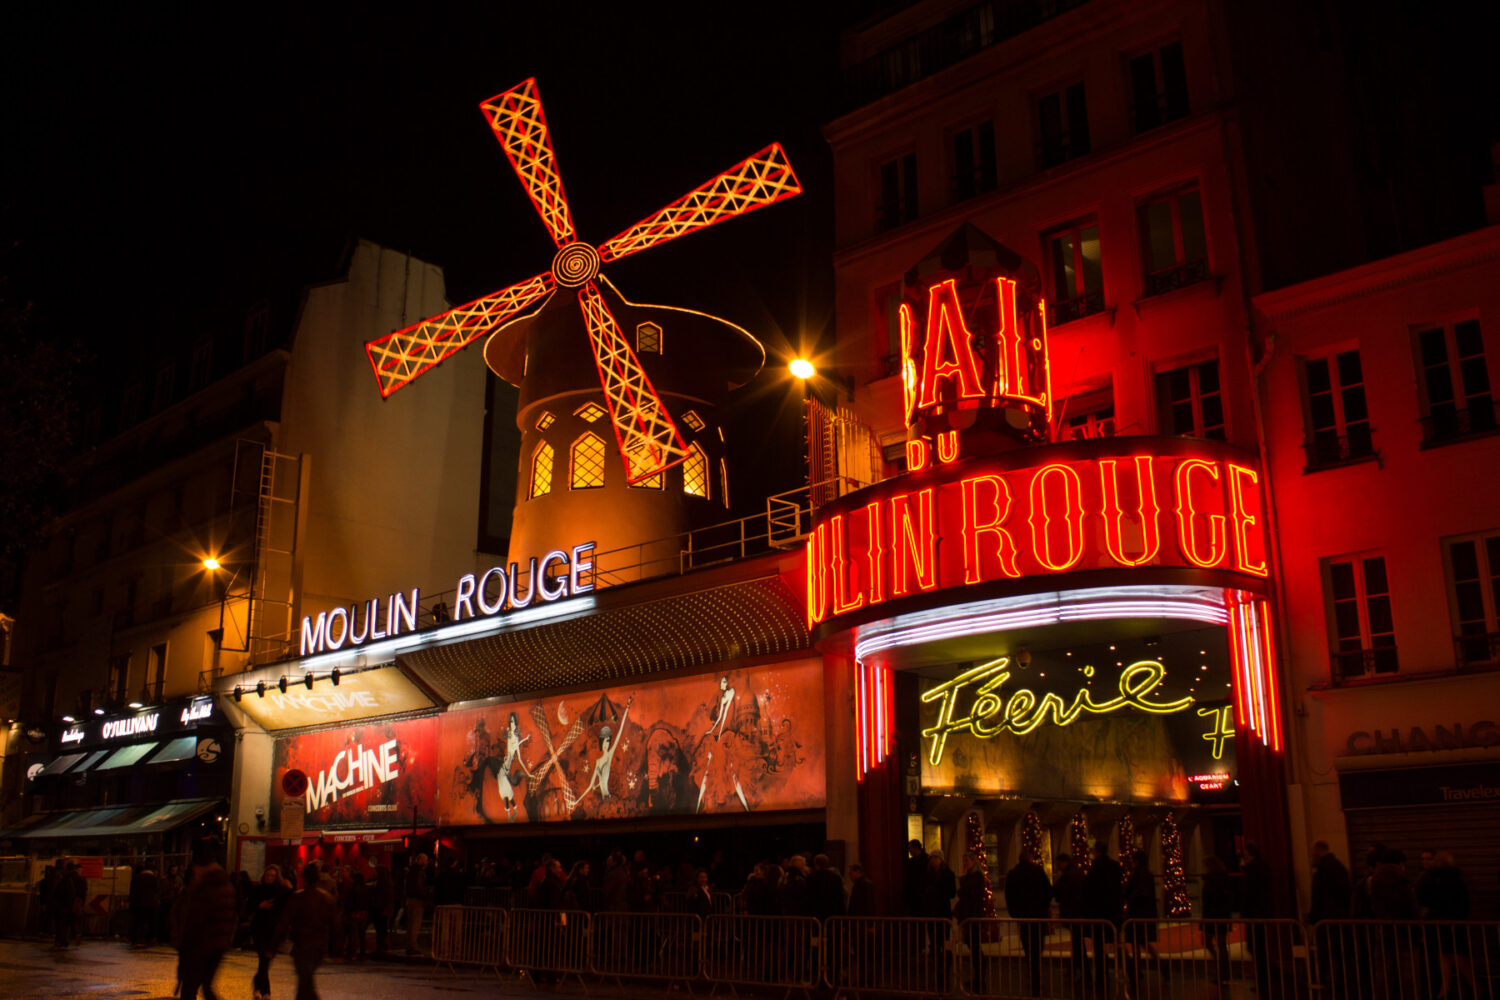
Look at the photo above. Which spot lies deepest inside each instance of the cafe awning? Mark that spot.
(115, 821)
(60, 763)
(127, 756)
(181, 748)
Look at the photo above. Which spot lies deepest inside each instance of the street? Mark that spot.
(101, 970)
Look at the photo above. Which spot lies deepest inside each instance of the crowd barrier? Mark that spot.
(902, 954)
(744, 950)
(647, 946)
(1407, 960)
(681, 902)
(998, 958)
(470, 935)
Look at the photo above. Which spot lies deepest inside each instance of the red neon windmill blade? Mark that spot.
(647, 438)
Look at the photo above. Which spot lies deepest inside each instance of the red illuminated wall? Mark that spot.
(381, 774)
(1112, 504)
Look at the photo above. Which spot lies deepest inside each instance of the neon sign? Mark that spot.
(556, 575)
(1220, 729)
(74, 735)
(1096, 505)
(989, 713)
(993, 358)
(133, 726)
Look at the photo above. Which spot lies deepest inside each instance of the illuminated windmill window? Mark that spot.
(541, 470)
(589, 411)
(692, 419)
(695, 473)
(587, 462)
(648, 339)
(546, 420)
(639, 456)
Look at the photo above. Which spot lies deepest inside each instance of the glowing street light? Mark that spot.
(802, 368)
(211, 563)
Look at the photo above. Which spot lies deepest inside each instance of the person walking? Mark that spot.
(1141, 908)
(971, 908)
(267, 899)
(418, 895)
(145, 887)
(1446, 899)
(861, 893)
(356, 908)
(1067, 889)
(205, 921)
(1104, 903)
(308, 922)
(1028, 897)
(1258, 908)
(1332, 894)
(913, 878)
(825, 890)
(1218, 912)
(616, 883)
(68, 891)
(382, 906)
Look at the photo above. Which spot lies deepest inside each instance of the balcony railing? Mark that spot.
(1355, 664)
(1079, 306)
(1329, 449)
(1172, 278)
(1477, 650)
(1450, 423)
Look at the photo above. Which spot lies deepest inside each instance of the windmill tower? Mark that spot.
(620, 441)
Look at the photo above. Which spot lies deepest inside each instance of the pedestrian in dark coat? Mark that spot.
(700, 899)
(308, 922)
(1391, 893)
(1218, 911)
(974, 905)
(68, 892)
(1331, 891)
(792, 895)
(1067, 889)
(938, 889)
(1028, 896)
(761, 890)
(616, 883)
(1103, 900)
(418, 898)
(861, 893)
(549, 891)
(825, 890)
(913, 878)
(267, 899)
(145, 887)
(1444, 896)
(382, 906)
(205, 922)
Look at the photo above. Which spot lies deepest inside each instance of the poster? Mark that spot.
(379, 774)
(748, 740)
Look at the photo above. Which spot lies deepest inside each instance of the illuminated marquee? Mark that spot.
(1097, 505)
(979, 346)
(556, 575)
(989, 712)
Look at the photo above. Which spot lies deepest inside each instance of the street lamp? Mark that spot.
(802, 368)
(212, 564)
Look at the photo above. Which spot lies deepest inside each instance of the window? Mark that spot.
(161, 393)
(1076, 273)
(1338, 422)
(587, 461)
(157, 664)
(119, 677)
(648, 338)
(1173, 244)
(1158, 82)
(1474, 595)
(544, 421)
(888, 301)
(256, 321)
(1364, 632)
(1086, 415)
(898, 192)
(1063, 124)
(974, 161)
(1190, 401)
(201, 368)
(589, 412)
(1455, 382)
(695, 473)
(638, 457)
(541, 470)
(692, 419)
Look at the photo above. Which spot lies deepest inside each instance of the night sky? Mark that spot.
(165, 169)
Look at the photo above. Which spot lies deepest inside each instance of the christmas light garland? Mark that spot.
(1174, 879)
(1078, 839)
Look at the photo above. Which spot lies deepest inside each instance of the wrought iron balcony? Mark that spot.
(1355, 664)
(1328, 449)
(1079, 306)
(1478, 650)
(1451, 423)
(1172, 278)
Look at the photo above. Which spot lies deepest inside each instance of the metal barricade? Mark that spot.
(1167, 959)
(744, 950)
(678, 902)
(1405, 960)
(469, 935)
(551, 943)
(1012, 957)
(905, 954)
(664, 946)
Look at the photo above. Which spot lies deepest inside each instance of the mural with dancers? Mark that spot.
(746, 740)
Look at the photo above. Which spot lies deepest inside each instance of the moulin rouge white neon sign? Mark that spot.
(556, 575)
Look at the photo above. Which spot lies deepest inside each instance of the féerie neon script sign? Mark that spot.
(989, 713)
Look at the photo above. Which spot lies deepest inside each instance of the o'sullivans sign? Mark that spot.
(556, 575)
(1105, 504)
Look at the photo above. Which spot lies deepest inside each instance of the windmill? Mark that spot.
(647, 437)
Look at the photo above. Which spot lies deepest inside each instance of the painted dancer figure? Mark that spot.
(724, 775)
(513, 742)
(607, 746)
(721, 712)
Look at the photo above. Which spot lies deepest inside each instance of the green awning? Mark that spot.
(181, 748)
(127, 756)
(116, 821)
